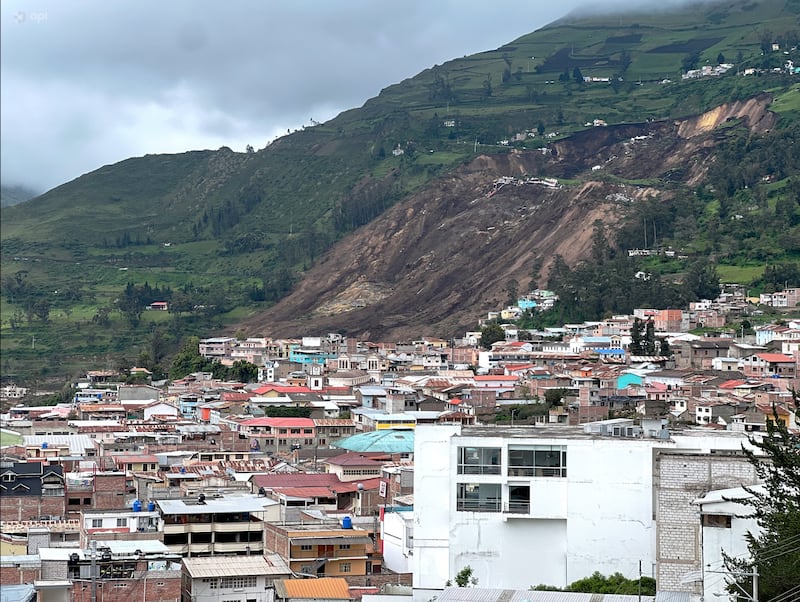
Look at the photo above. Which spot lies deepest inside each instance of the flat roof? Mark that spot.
(217, 505)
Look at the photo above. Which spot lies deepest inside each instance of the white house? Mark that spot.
(724, 529)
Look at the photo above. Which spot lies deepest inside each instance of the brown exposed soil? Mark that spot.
(439, 260)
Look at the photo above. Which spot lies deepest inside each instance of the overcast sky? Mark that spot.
(86, 83)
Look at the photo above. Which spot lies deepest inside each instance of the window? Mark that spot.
(306, 547)
(537, 461)
(308, 432)
(87, 501)
(344, 546)
(9, 477)
(478, 497)
(237, 581)
(722, 521)
(122, 522)
(97, 523)
(211, 582)
(120, 585)
(478, 460)
(344, 567)
(74, 501)
(295, 431)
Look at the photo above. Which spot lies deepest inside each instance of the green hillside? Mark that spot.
(221, 235)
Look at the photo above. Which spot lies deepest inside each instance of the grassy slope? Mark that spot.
(67, 237)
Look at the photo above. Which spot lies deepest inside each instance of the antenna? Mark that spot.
(475, 148)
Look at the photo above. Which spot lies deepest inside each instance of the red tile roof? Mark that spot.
(281, 389)
(775, 357)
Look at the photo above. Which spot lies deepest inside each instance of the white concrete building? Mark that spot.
(398, 538)
(524, 506)
(724, 528)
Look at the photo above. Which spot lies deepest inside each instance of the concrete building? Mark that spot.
(209, 526)
(578, 500)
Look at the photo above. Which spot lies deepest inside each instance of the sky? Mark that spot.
(86, 83)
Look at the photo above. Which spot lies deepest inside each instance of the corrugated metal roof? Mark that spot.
(326, 588)
(475, 594)
(17, 593)
(224, 566)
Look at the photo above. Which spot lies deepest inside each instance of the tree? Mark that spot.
(774, 551)
(702, 280)
(690, 61)
(512, 288)
(720, 59)
(616, 583)
(491, 333)
(636, 347)
(464, 578)
(577, 75)
(664, 349)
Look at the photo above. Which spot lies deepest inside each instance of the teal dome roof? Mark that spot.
(393, 441)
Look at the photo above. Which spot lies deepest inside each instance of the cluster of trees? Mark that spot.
(615, 583)
(612, 283)
(189, 360)
(774, 550)
(133, 300)
(644, 342)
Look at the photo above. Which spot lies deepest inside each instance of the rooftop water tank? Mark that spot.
(347, 523)
(137, 506)
(151, 506)
(44, 444)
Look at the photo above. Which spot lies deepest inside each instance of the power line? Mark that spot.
(790, 595)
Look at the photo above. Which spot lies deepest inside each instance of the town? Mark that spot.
(305, 483)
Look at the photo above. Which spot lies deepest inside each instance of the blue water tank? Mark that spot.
(151, 506)
(137, 506)
(44, 445)
(347, 523)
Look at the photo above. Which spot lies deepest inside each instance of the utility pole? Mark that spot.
(754, 574)
(640, 581)
(93, 568)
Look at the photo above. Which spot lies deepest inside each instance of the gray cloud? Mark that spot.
(87, 83)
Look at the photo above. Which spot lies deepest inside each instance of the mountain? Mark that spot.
(392, 218)
(11, 195)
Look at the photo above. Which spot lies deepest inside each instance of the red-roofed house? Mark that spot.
(276, 390)
(769, 365)
(272, 434)
(136, 462)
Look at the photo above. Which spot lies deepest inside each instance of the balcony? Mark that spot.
(235, 527)
(520, 507)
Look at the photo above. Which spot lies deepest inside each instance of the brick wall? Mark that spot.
(17, 575)
(378, 580)
(158, 587)
(109, 491)
(30, 507)
(679, 479)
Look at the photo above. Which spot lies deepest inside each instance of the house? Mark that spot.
(31, 490)
(158, 306)
(233, 578)
(321, 549)
(769, 365)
